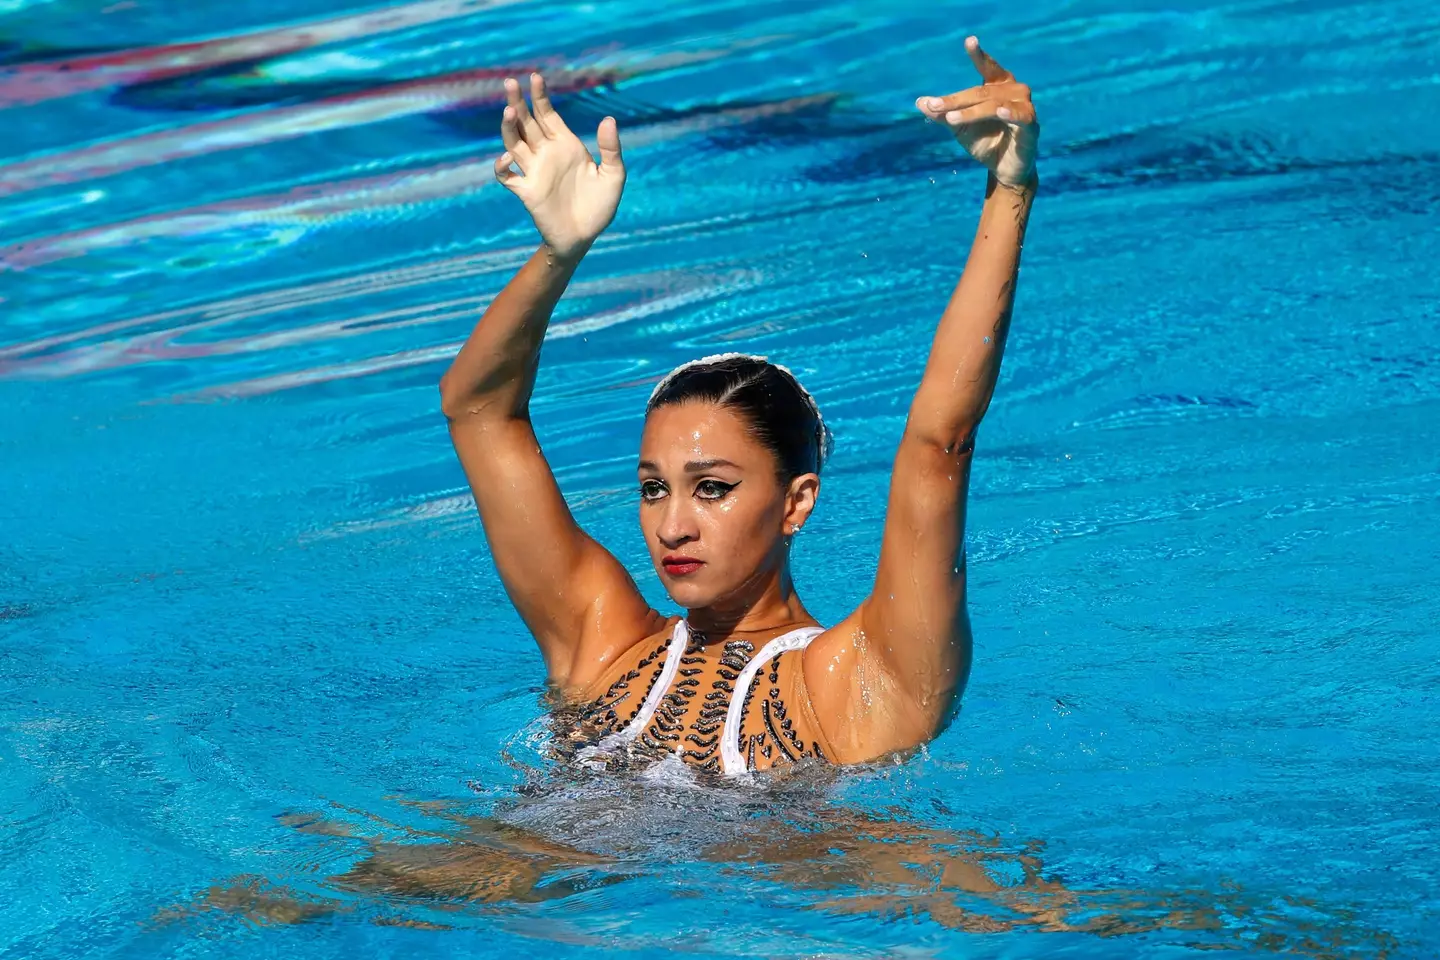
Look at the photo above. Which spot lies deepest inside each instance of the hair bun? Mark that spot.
(741, 383)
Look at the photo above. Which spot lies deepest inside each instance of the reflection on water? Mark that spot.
(629, 297)
(779, 839)
(48, 74)
(333, 202)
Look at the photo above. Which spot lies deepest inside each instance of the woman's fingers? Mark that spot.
(989, 69)
(513, 100)
(503, 174)
(607, 138)
(980, 113)
(509, 128)
(510, 134)
(529, 129)
(1021, 113)
(550, 123)
(938, 106)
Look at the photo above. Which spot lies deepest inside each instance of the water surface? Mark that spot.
(250, 637)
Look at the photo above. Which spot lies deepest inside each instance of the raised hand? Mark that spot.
(571, 198)
(995, 122)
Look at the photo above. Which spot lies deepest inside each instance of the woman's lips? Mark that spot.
(681, 566)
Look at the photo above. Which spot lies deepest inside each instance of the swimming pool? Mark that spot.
(250, 639)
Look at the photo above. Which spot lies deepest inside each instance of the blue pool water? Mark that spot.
(261, 694)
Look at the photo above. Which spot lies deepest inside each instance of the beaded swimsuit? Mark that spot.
(742, 722)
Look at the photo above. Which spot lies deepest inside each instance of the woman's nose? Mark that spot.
(677, 524)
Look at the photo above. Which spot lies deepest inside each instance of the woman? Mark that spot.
(729, 471)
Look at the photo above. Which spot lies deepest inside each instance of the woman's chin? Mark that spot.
(691, 596)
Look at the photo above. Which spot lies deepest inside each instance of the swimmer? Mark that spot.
(729, 472)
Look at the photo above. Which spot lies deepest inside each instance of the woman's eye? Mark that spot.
(652, 490)
(712, 489)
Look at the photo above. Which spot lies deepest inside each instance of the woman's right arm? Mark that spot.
(578, 600)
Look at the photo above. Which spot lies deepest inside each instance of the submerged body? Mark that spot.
(728, 473)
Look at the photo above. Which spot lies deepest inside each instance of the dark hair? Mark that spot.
(782, 416)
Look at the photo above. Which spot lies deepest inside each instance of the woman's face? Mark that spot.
(714, 511)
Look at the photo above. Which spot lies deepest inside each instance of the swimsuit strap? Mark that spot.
(679, 639)
(734, 763)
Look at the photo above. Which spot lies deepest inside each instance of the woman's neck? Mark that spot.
(764, 605)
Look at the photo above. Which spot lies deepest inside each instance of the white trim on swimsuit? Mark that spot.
(733, 761)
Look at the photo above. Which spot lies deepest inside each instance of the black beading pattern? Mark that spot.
(696, 736)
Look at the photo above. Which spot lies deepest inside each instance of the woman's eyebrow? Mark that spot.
(693, 466)
(700, 466)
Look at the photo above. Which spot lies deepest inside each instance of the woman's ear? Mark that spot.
(800, 501)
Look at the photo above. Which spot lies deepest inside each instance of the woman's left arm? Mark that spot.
(885, 678)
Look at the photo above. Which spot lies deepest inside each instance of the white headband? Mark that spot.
(824, 442)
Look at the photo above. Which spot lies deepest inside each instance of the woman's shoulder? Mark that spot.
(622, 658)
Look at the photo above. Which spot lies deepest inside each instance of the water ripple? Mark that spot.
(257, 666)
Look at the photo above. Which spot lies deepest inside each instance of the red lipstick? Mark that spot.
(680, 566)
